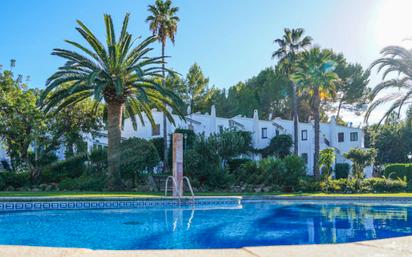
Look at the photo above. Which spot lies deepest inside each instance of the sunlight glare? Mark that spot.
(393, 23)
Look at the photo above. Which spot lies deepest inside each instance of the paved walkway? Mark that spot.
(394, 247)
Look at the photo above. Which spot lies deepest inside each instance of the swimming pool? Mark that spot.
(251, 223)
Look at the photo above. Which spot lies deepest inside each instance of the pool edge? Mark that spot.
(396, 247)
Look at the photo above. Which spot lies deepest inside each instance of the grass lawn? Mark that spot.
(159, 194)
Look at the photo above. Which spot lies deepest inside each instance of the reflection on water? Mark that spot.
(263, 224)
(249, 224)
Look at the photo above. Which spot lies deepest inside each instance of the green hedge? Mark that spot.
(370, 185)
(342, 170)
(399, 170)
(72, 167)
(15, 180)
(83, 183)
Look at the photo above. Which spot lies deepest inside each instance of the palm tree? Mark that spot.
(163, 23)
(397, 60)
(290, 45)
(314, 74)
(121, 75)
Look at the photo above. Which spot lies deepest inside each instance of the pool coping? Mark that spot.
(392, 247)
(11, 204)
(163, 198)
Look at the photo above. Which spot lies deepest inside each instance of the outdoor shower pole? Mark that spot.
(178, 164)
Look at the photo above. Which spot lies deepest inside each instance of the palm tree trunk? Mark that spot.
(114, 120)
(295, 121)
(165, 139)
(316, 107)
(339, 108)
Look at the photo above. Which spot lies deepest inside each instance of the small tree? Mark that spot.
(326, 159)
(361, 158)
(137, 156)
(279, 146)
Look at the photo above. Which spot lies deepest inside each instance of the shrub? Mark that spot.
(207, 161)
(72, 167)
(295, 170)
(272, 172)
(309, 184)
(6, 165)
(361, 158)
(234, 164)
(382, 185)
(137, 156)
(158, 144)
(279, 146)
(83, 183)
(15, 180)
(399, 170)
(278, 174)
(326, 159)
(98, 161)
(342, 170)
(370, 185)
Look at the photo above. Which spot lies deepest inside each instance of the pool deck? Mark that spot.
(394, 247)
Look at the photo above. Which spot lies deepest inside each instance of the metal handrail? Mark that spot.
(177, 188)
(174, 183)
(190, 187)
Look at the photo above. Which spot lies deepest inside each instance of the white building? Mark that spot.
(341, 138)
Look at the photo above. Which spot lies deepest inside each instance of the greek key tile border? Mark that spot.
(77, 205)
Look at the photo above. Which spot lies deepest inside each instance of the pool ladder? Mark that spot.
(177, 188)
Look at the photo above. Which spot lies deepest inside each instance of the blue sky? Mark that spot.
(231, 40)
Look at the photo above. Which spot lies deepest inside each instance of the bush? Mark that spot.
(279, 146)
(309, 184)
(158, 144)
(270, 172)
(137, 156)
(361, 158)
(295, 170)
(370, 185)
(98, 161)
(83, 183)
(207, 162)
(6, 165)
(72, 167)
(342, 170)
(234, 164)
(382, 185)
(399, 170)
(15, 180)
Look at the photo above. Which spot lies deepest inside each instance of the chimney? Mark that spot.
(333, 120)
(213, 111)
(255, 115)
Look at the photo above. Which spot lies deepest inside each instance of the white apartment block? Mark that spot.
(341, 138)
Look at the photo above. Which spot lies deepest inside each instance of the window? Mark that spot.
(305, 157)
(277, 132)
(220, 129)
(341, 137)
(354, 136)
(156, 130)
(304, 135)
(264, 132)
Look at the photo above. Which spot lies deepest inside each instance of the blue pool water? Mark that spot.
(251, 224)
